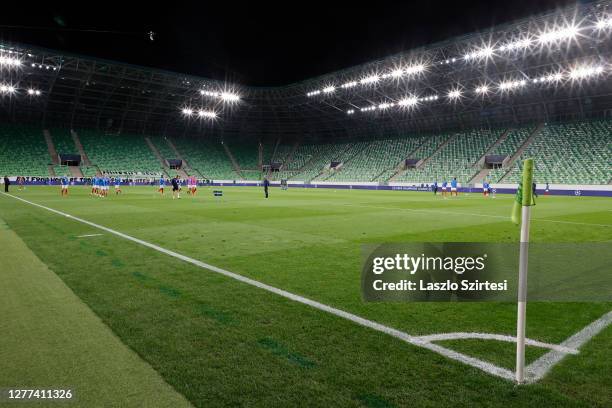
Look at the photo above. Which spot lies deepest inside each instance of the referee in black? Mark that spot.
(266, 184)
(7, 183)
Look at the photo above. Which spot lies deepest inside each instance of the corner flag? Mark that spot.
(521, 212)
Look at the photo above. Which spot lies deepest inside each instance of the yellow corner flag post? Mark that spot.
(524, 200)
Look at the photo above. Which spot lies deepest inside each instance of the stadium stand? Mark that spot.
(569, 153)
(120, 154)
(23, 151)
(207, 158)
(379, 160)
(63, 141)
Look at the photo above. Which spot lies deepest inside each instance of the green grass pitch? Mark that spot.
(220, 342)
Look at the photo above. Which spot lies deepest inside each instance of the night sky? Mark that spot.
(253, 44)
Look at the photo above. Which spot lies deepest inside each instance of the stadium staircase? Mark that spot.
(430, 146)
(156, 153)
(51, 147)
(177, 154)
(513, 158)
(51, 170)
(232, 160)
(79, 146)
(484, 172)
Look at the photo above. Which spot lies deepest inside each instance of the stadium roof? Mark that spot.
(552, 66)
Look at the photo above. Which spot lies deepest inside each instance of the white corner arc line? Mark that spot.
(538, 369)
(499, 337)
(414, 340)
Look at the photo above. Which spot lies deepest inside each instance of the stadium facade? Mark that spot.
(470, 107)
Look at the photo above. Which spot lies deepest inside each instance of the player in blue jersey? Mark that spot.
(117, 185)
(94, 185)
(162, 184)
(486, 188)
(65, 182)
(434, 187)
(444, 186)
(454, 186)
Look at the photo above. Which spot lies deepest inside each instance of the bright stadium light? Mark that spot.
(349, 84)
(396, 73)
(482, 90)
(329, 89)
(385, 105)
(604, 23)
(187, 111)
(37, 92)
(560, 34)
(9, 61)
(415, 69)
(583, 72)
(207, 114)
(454, 94)
(411, 101)
(7, 89)
(350, 111)
(370, 79)
(229, 97)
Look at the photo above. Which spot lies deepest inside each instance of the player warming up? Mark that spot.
(65, 182)
(176, 188)
(266, 184)
(162, 184)
(486, 188)
(118, 185)
(454, 186)
(444, 185)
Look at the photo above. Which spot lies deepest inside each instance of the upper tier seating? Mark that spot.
(570, 153)
(207, 158)
(456, 159)
(23, 151)
(120, 154)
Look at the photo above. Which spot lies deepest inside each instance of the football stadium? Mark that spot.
(431, 228)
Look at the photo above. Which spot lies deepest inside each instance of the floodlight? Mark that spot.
(207, 114)
(229, 97)
(349, 84)
(396, 73)
(31, 91)
(350, 111)
(585, 72)
(37, 92)
(187, 111)
(370, 79)
(454, 94)
(329, 89)
(482, 89)
(558, 35)
(411, 101)
(604, 23)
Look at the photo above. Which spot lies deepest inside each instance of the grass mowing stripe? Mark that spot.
(51, 339)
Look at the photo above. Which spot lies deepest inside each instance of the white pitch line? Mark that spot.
(414, 340)
(538, 369)
(88, 235)
(499, 337)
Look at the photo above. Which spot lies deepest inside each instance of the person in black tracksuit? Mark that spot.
(266, 184)
(7, 183)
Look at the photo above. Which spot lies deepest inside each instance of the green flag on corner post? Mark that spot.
(524, 195)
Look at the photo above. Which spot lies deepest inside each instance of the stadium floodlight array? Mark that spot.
(556, 35)
(200, 113)
(43, 66)
(225, 96)
(34, 92)
(10, 62)
(576, 73)
(7, 89)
